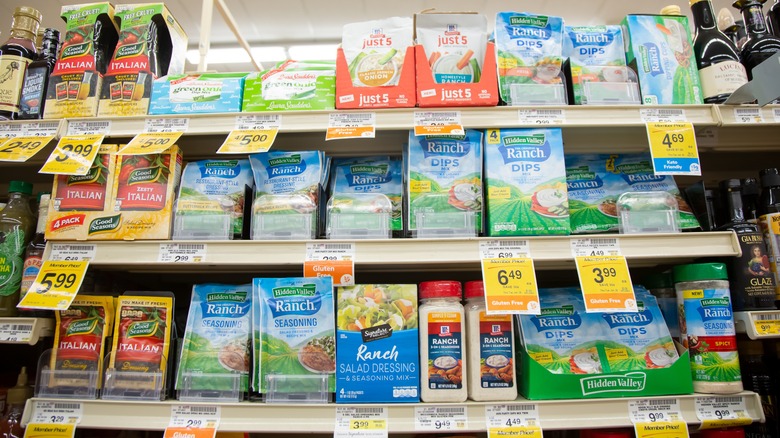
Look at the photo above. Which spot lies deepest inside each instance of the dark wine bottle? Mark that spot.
(773, 18)
(15, 55)
(716, 56)
(760, 44)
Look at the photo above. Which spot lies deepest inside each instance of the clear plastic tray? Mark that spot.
(287, 389)
(611, 92)
(202, 227)
(648, 212)
(225, 387)
(537, 94)
(438, 225)
(284, 217)
(359, 216)
(59, 383)
(132, 385)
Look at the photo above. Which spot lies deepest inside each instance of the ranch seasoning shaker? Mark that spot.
(491, 349)
(442, 342)
(707, 327)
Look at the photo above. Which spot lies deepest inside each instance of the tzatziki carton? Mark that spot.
(525, 182)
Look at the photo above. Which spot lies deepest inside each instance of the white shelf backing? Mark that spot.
(410, 254)
(278, 418)
(758, 324)
(21, 330)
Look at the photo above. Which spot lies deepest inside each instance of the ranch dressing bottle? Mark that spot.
(442, 342)
(491, 349)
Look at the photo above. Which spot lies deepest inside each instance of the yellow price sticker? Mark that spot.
(515, 431)
(767, 327)
(248, 141)
(606, 283)
(661, 429)
(150, 143)
(73, 155)
(673, 148)
(439, 130)
(719, 424)
(21, 149)
(367, 424)
(510, 286)
(46, 430)
(56, 285)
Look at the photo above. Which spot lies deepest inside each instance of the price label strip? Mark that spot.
(662, 115)
(335, 260)
(438, 123)
(10, 130)
(440, 418)
(252, 134)
(82, 127)
(542, 116)
(718, 412)
(54, 419)
(182, 253)
(16, 332)
(72, 252)
(766, 323)
(73, 155)
(604, 277)
(513, 420)
(351, 125)
(21, 149)
(748, 115)
(353, 422)
(510, 278)
(56, 285)
(190, 421)
(673, 148)
(657, 418)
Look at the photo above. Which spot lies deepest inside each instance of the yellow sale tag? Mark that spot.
(150, 143)
(56, 285)
(248, 141)
(367, 424)
(673, 148)
(44, 430)
(515, 431)
(767, 328)
(73, 155)
(719, 424)
(438, 130)
(510, 286)
(21, 149)
(668, 429)
(606, 284)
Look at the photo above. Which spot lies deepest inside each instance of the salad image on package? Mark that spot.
(596, 55)
(454, 43)
(375, 50)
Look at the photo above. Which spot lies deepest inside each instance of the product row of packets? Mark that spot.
(435, 190)
(300, 340)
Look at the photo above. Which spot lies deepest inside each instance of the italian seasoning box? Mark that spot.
(377, 344)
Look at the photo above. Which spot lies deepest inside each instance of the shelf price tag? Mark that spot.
(56, 285)
(438, 123)
(664, 115)
(673, 148)
(440, 418)
(17, 332)
(72, 252)
(73, 155)
(10, 130)
(748, 115)
(718, 412)
(353, 422)
(83, 127)
(190, 421)
(335, 260)
(542, 116)
(657, 418)
(351, 125)
(54, 419)
(766, 323)
(509, 277)
(182, 253)
(159, 134)
(513, 420)
(21, 149)
(252, 134)
(604, 277)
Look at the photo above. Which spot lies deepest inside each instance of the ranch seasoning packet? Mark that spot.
(375, 50)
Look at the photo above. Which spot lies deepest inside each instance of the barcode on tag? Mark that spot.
(504, 249)
(457, 411)
(727, 399)
(20, 327)
(662, 115)
(748, 115)
(203, 409)
(542, 116)
(56, 412)
(600, 241)
(766, 316)
(16, 332)
(332, 246)
(192, 247)
(72, 252)
(330, 251)
(79, 127)
(67, 405)
(368, 410)
(663, 402)
(41, 129)
(259, 121)
(182, 253)
(167, 125)
(520, 408)
(598, 246)
(10, 130)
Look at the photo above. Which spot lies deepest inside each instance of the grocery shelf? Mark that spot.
(278, 418)
(20, 330)
(551, 252)
(758, 324)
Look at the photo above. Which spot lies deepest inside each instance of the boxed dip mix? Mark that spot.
(90, 39)
(375, 50)
(202, 93)
(529, 50)
(217, 337)
(444, 176)
(377, 345)
(526, 182)
(660, 51)
(212, 198)
(152, 44)
(77, 200)
(294, 333)
(294, 85)
(287, 192)
(595, 54)
(368, 185)
(454, 44)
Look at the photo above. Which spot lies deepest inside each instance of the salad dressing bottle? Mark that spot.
(17, 223)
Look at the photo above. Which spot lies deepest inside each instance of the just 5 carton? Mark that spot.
(660, 50)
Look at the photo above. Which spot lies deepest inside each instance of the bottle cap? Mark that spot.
(28, 12)
(20, 187)
(734, 432)
(474, 289)
(750, 186)
(662, 280)
(440, 289)
(42, 194)
(671, 10)
(725, 19)
(700, 272)
(21, 392)
(732, 184)
(769, 177)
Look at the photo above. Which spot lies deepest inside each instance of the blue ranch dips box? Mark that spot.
(377, 347)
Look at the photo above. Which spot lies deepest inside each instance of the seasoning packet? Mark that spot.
(79, 339)
(596, 54)
(216, 339)
(294, 332)
(454, 44)
(375, 50)
(142, 338)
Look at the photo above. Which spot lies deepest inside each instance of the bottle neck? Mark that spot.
(703, 17)
(734, 205)
(755, 23)
(49, 49)
(24, 27)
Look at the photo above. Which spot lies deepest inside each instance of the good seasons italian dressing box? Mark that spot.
(525, 182)
(151, 44)
(90, 38)
(377, 345)
(201, 93)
